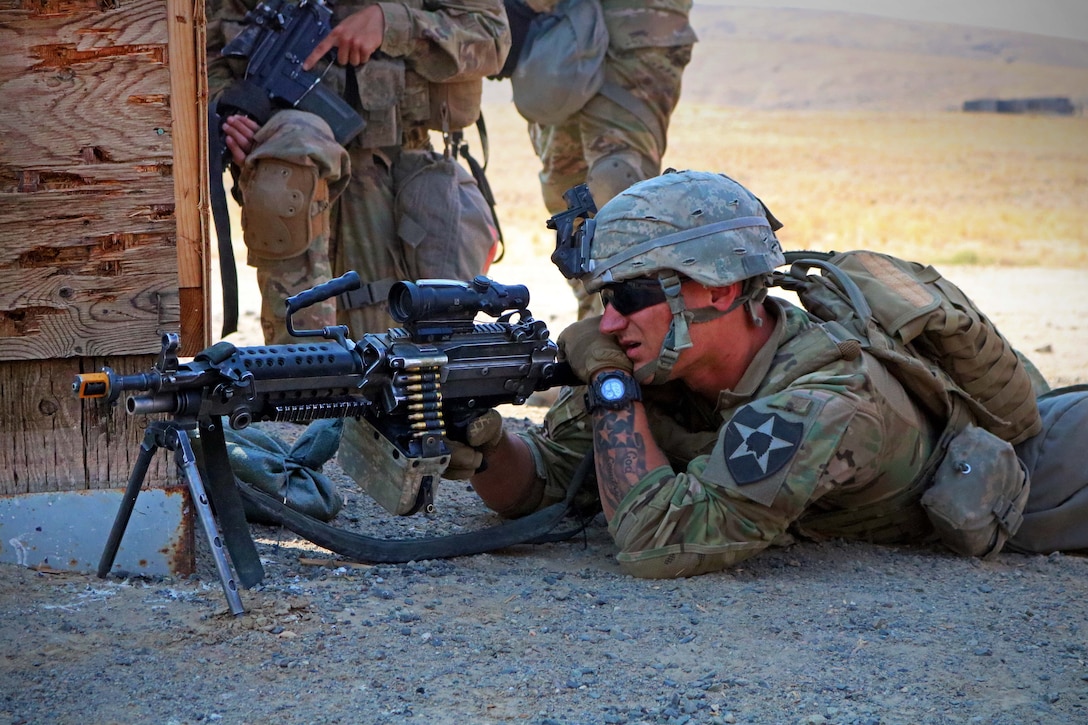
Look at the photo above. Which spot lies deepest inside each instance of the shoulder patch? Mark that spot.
(758, 444)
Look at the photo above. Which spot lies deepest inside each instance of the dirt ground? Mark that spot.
(829, 632)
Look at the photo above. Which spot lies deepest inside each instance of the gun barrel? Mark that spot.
(109, 385)
(150, 404)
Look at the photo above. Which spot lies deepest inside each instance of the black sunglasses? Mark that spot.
(633, 295)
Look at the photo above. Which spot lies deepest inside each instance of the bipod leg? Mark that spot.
(151, 443)
(227, 502)
(186, 460)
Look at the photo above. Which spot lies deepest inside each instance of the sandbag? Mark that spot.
(290, 473)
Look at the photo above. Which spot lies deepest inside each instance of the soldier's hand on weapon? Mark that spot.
(355, 38)
(481, 436)
(238, 133)
(586, 349)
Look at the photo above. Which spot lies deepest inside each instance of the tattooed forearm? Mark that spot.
(621, 455)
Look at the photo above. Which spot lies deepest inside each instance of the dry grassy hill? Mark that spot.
(793, 59)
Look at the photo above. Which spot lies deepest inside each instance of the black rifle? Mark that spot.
(412, 385)
(278, 36)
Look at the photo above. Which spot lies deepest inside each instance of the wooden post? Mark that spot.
(104, 233)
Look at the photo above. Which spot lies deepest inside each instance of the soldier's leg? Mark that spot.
(288, 183)
(624, 143)
(562, 160)
(563, 165)
(279, 279)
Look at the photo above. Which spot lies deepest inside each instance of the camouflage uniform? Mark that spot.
(428, 59)
(606, 144)
(829, 431)
(805, 435)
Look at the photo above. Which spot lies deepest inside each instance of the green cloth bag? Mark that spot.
(290, 473)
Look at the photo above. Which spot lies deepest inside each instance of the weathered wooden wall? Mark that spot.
(103, 223)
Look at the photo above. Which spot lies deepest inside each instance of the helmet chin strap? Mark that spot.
(678, 337)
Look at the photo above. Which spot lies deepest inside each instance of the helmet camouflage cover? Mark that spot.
(699, 224)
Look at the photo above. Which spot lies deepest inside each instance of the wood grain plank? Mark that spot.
(50, 441)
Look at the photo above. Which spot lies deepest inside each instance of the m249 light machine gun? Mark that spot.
(407, 388)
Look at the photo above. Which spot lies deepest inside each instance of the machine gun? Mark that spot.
(280, 35)
(408, 388)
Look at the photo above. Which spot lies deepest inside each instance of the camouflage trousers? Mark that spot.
(607, 145)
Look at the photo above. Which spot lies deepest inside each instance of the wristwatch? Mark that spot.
(612, 390)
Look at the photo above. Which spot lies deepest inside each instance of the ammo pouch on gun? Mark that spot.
(402, 485)
(978, 494)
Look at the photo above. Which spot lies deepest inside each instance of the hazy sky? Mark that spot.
(1063, 18)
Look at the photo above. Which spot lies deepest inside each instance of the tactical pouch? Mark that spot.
(380, 84)
(561, 66)
(454, 106)
(978, 494)
(442, 218)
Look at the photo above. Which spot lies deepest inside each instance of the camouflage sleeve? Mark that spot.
(224, 19)
(463, 40)
(772, 459)
(559, 446)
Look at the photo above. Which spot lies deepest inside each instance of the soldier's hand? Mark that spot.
(238, 133)
(482, 436)
(355, 38)
(588, 350)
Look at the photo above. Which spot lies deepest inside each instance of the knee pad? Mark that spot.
(609, 175)
(286, 207)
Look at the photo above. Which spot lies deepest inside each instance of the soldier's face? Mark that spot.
(641, 333)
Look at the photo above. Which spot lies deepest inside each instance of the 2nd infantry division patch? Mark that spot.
(758, 445)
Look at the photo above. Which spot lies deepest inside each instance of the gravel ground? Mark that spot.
(819, 632)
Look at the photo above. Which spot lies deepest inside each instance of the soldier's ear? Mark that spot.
(724, 298)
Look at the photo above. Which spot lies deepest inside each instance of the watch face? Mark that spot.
(612, 389)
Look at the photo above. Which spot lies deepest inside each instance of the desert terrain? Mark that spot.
(850, 130)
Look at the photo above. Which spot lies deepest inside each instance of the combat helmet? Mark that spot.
(684, 224)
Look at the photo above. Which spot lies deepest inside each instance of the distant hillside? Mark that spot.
(779, 58)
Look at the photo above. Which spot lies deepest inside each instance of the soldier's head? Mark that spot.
(682, 225)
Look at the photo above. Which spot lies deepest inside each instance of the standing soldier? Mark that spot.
(313, 208)
(619, 135)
